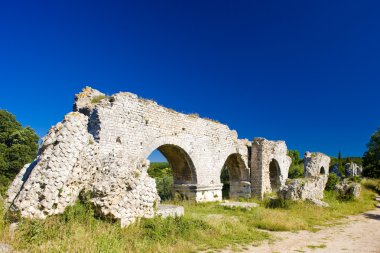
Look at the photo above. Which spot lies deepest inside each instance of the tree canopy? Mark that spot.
(18, 146)
(296, 169)
(371, 158)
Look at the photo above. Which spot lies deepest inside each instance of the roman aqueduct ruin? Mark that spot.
(103, 146)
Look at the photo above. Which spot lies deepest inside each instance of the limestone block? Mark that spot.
(352, 169)
(170, 211)
(348, 190)
(303, 188)
(316, 164)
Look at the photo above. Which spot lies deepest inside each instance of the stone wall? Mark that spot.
(102, 148)
(312, 186)
(352, 169)
(269, 166)
(316, 164)
(196, 148)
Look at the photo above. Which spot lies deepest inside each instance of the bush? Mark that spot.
(164, 187)
(163, 175)
(97, 99)
(333, 180)
(296, 171)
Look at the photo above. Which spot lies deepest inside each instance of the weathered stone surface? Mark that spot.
(170, 211)
(269, 166)
(102, 148)
(244, 205)
(316, 164)
(54, 180)
(86, 100)
(312, 186)
(303, 188)
(123, 190)
(352, 169)
(348, 190)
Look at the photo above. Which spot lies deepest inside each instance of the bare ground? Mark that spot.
(359, 233)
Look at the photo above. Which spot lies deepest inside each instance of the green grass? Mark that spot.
(320, 246)
(205, 226)
(97, 99)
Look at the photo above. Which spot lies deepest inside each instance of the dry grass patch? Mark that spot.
(205, 226)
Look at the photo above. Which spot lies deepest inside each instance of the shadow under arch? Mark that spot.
(176, 152)
(182, 166)
(235, 177)
(274, 175)
(322, 171)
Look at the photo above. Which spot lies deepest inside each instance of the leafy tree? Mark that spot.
(340, 165)
(18, 146)
(163, 175)
(371, 158)
(333, 180)
(296, 169)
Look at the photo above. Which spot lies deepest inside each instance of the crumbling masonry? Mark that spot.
(102, 148)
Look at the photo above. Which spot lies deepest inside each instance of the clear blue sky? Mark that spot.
(307, 72)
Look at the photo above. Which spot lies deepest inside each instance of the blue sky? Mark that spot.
(306, 72)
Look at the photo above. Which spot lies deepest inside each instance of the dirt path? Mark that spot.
(360, 234)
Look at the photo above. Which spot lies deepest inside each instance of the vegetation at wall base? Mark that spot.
(163, 175)
(332, 180)
(205, 226)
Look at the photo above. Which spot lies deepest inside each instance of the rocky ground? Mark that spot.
(359, 233)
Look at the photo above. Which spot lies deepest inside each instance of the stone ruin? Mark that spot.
(310, 187)
(352, 169)
(101, 148)
(269, 165)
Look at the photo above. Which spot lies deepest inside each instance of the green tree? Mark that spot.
(371, 158)
(340, 165)
(333, 180)
(296, 169)
(163, 175)
(18, 146)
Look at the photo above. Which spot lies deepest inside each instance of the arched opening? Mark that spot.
(322, 171)
(235, 177)
(274, 175)
(171, 165)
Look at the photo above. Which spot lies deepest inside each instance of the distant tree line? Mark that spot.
(371, 158)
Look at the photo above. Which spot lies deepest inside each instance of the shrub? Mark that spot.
(355, 179)
(163, 175)
(164, 187)
(97, 99)
(333, 180)
(296, 171)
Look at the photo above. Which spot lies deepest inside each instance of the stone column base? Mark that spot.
(199, 193)
(240, 189)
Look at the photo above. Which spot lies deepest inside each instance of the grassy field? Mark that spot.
(204, 227)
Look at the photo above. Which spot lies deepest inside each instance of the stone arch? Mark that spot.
(183, 168)
(274, 174)
(322, 171)
(238, 176)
